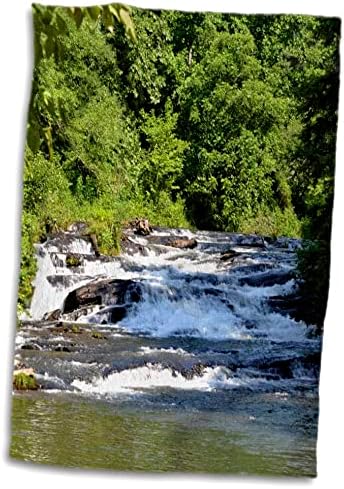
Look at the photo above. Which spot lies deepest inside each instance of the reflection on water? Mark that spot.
(57, 429)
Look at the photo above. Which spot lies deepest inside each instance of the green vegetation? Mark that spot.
(73, 261)
(75, 328)
(217, 121)
(24, 382)
(98, 335)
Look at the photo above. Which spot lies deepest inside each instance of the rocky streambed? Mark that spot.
(183, 331)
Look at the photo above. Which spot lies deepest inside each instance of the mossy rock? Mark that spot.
(98, 335)
(75, 328)
(73, 261)
(24, 382)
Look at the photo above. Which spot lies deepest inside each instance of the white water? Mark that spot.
(156, 376)
(170, 305)
(51, 262)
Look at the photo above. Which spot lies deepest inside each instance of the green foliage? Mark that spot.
(73, 261)
(274, 223)
(24, 382)
(30, 228)
(213, 120)
(313, 269)
(75, 328)
(98, 335)
(163, 160)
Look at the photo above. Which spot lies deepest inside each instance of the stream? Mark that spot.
(168, 358)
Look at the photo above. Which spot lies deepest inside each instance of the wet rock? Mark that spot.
(63, 348)
(78, 313)
(65, 280)
(267, 279)
(52, 316)
(251, 241)
(30, 346)
(142, 227)
(118, 313)
(112, 314)
(106, 292)
(64, 241)
(98, 335)
(184, 243)
(228, 255)
(248, 268)
(130, 247)
(294, 305)
(74, 328)
(196, 370)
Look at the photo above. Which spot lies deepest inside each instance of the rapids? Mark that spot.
(201, 336)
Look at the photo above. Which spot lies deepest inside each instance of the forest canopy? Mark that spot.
(216, 121)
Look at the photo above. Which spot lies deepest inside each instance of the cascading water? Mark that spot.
(166, 326)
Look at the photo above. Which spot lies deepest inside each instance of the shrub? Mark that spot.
(23, 381)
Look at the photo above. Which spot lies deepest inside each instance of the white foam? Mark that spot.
(156, 376)
(162, 317)
(146, 350)
(169, 304)
(51, 378)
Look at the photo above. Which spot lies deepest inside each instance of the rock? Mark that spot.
(117, 314)
(252, 241)
(74, 328)
(180, 242)
(142, 227)
(63, 348)
(98, 335)
(195, 370)
(52, 316)
(24, 370)
(267, 279)
(106, 292)
(131, 248)
(30, 346)
(184, 243)
(228, 255)
(294, 305)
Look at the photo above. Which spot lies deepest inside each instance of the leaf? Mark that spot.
(49, 140)
(94, 12)
(78, 16)
(46, 97)
(127, 22)
(114, 10)
(108, 19)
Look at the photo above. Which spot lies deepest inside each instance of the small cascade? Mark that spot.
(166, 315)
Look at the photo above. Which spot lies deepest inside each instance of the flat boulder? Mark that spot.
(267, 279)
(184, 243)
(102, 292)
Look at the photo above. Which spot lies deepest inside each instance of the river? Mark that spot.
(178, 361)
